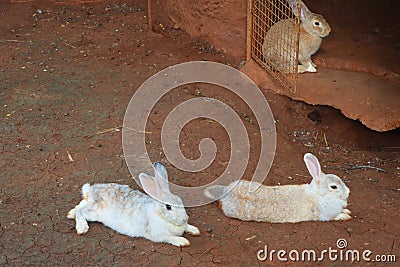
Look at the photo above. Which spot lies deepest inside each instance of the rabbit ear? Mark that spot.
(160, 171)
(313, 167)
(161, 175)
(293, 5)
(304, 12)
(150, 185)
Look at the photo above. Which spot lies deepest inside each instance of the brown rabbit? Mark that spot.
(313, 28)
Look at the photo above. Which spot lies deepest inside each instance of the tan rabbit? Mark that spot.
(280, 38)
(324, 199)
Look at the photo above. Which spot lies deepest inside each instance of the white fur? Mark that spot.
(324, 199)
(132, 213)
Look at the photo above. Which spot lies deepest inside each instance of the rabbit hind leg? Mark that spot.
(80, 220)
(306, 64)
(71, 214)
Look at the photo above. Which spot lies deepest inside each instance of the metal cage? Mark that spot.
(273, 33)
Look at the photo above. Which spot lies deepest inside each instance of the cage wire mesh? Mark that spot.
(275, 31)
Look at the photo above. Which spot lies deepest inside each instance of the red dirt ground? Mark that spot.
(67, 74)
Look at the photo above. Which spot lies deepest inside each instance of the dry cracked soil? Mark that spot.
(67, 75)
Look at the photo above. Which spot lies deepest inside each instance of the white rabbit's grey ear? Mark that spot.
(313, 166)
(161, 175)
(160, 170)
(150, 185)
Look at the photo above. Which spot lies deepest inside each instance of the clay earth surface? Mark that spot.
(67, 74)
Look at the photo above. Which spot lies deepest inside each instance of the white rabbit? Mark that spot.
(324, 199)
(280, 38)
(133, 213)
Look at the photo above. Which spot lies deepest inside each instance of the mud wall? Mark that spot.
(222, 23)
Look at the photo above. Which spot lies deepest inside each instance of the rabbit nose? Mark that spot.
(329, 30)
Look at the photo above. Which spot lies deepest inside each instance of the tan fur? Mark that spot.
(281, 36)
(241, 204)
(323, 199)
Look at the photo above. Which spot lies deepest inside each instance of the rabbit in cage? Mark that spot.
(280, 41)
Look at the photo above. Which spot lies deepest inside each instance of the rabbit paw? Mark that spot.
(82, 227)
(193, 230)
(311, 68)
(343, 216)
(346, 211)
(307, 67)
(178, 241)
(71, 214)
(301, 69)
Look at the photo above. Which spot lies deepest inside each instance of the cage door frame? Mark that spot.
(261, 16)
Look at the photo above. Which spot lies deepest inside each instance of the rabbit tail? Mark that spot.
(215, 192)
(85, 191)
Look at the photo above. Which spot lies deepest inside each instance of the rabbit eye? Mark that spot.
(333, 186)
(168, 206)
(316, 23)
